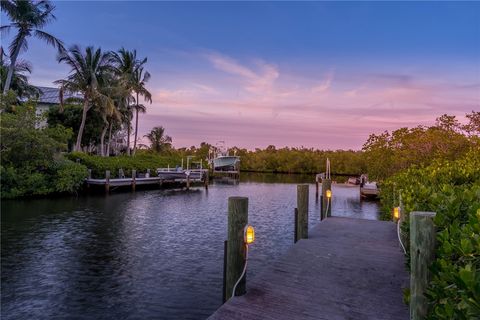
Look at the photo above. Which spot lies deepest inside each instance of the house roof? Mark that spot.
(50, 95)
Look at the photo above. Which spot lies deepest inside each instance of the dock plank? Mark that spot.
(347, 269)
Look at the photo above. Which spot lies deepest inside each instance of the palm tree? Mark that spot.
(28, 18)
(89, 71)
(116, 116)
(19, 82)
(159, 141)
(140, 79)
(125, 63)
(107, 108)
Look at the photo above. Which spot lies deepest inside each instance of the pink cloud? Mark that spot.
(252, 105)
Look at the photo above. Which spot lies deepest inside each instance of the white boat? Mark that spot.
(353, 181)
(221, 161)
(368, 190)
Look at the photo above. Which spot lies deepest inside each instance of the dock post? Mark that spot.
(236, 251)
(422, 254)
(134, 179)
(295, 231)
(316, 188)
(89, 173)
(206, 180)
(107, 181)
(188, 182)
(302, 207)
(326, 207)
(147, 175)
(225, 250)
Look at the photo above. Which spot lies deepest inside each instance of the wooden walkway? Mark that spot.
(347, 269)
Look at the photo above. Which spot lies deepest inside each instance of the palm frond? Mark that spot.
(9, 8)
(4, 30)
(49, 39)
(19, 43)
(141, 108)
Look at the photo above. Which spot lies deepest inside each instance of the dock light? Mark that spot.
(249, 235)
(329, 194)
(396, 212)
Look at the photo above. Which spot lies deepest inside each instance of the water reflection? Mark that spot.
(150, 254)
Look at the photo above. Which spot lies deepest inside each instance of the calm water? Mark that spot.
(150, 254)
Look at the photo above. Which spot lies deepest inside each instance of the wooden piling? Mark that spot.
(316, 189)
(206, 177)
(321, 208)
(302, 207)
(326, 185)
(107, 181)
(422, 254)
(134, 179)
(224, 291)
(295, 232)
(236, 250)
(89, 173)
(188, 182)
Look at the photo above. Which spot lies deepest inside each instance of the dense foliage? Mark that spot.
(70, 116)
(388, 153)
(31, 160)
(300, 160)
(452, 190)
(140, 162)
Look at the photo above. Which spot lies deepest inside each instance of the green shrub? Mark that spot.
(140, 162)
(69, 176)
(452, 190)
(31, 160)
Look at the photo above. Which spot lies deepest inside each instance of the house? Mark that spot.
(50, 97)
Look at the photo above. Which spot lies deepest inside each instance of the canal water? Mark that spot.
(155, 254)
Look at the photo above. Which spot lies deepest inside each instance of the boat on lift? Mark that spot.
(221, 160)
(368, 190)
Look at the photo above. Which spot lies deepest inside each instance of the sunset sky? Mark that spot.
(322, 74)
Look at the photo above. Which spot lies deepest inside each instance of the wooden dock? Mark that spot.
(180, 177)
(346, 269)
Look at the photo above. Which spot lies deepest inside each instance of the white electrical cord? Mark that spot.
(400, 238)
(243, 272)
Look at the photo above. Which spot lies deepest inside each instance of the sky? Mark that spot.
(315, 74)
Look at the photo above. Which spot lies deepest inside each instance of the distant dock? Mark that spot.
(182, 178)
(346, 269)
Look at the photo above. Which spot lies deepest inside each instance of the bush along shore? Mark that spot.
(32, 160)
(452, 190)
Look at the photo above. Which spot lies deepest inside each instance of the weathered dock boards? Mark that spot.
(346, 269)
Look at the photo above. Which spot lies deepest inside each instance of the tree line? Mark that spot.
(381, 156)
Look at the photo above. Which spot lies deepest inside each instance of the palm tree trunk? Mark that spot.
(11, 68)
(78, 145)
(128, 135)
(109, 139)
(136, 128)
(102, 139)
